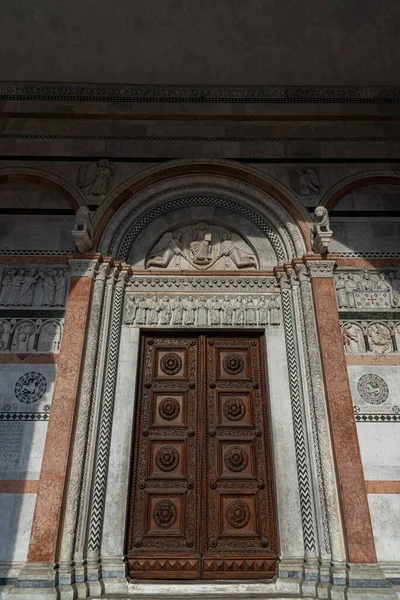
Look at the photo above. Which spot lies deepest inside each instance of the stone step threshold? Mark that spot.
(185, 590)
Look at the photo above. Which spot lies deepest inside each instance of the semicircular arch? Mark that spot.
(134, 208)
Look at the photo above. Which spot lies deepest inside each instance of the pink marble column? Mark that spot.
(352, 491)
(47, 516)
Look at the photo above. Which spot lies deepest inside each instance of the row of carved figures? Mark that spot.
(348, 283)
(360, 337)
(206, 311)
(25, 335)
(33, 287)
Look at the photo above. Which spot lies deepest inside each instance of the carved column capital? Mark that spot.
(320, 268)
(302, 273)
(83, 267)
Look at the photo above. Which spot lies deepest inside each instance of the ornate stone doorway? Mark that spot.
(202, 503)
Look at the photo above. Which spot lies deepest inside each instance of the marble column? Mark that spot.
(355, 512)
(47, 516)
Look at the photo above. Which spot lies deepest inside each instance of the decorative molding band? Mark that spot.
(83, 267)
(8, 252)
(369, 254)
(200, 94)
(377, 418)
(203, 283)
(107, 409)
(26, 416)
(306, 503)
(199, 138)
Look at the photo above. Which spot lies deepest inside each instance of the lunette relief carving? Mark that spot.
(34, 287)
(206, 310)
(367, 290)
(201, 246)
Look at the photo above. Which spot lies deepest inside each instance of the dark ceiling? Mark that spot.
(232, 42)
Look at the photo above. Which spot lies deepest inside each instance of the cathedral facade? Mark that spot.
(199, 342)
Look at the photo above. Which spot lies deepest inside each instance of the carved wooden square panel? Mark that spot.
(170, 363)
(167, 459)
(238, 516)
(235, 409)
(233, 363)
(236, 459)
(165, 515)
(169, 409)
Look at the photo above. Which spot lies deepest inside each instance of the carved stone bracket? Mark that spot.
(83, 267)
(321, 268)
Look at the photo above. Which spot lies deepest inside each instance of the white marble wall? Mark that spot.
(380, 454)
(23, 428)
(385, 511)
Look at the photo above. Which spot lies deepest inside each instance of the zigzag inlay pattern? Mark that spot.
(103, 448)
(205, 201)
(298, 426)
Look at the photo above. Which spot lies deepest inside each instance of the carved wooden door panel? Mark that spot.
(240, 530)
(164, 520)
(202, 502)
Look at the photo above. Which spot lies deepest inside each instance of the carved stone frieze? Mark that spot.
(370, 337)
(210, 283)
(30, 335)
(205, 310)
(368, 290)
(34, 287)
(201, 246)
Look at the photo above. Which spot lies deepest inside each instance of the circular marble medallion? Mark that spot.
(233, 364)
(372, 389)
(171, 363)
(237, 514)
(167, 458)
(30, 387)
(234, 409)
(165, 513)
(169, 409)
(236, 459)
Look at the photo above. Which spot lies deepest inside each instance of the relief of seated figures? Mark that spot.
(202, 246)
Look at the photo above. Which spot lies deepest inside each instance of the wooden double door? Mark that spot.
(201, 498)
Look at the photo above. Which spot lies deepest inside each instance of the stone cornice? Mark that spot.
(200, 94)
